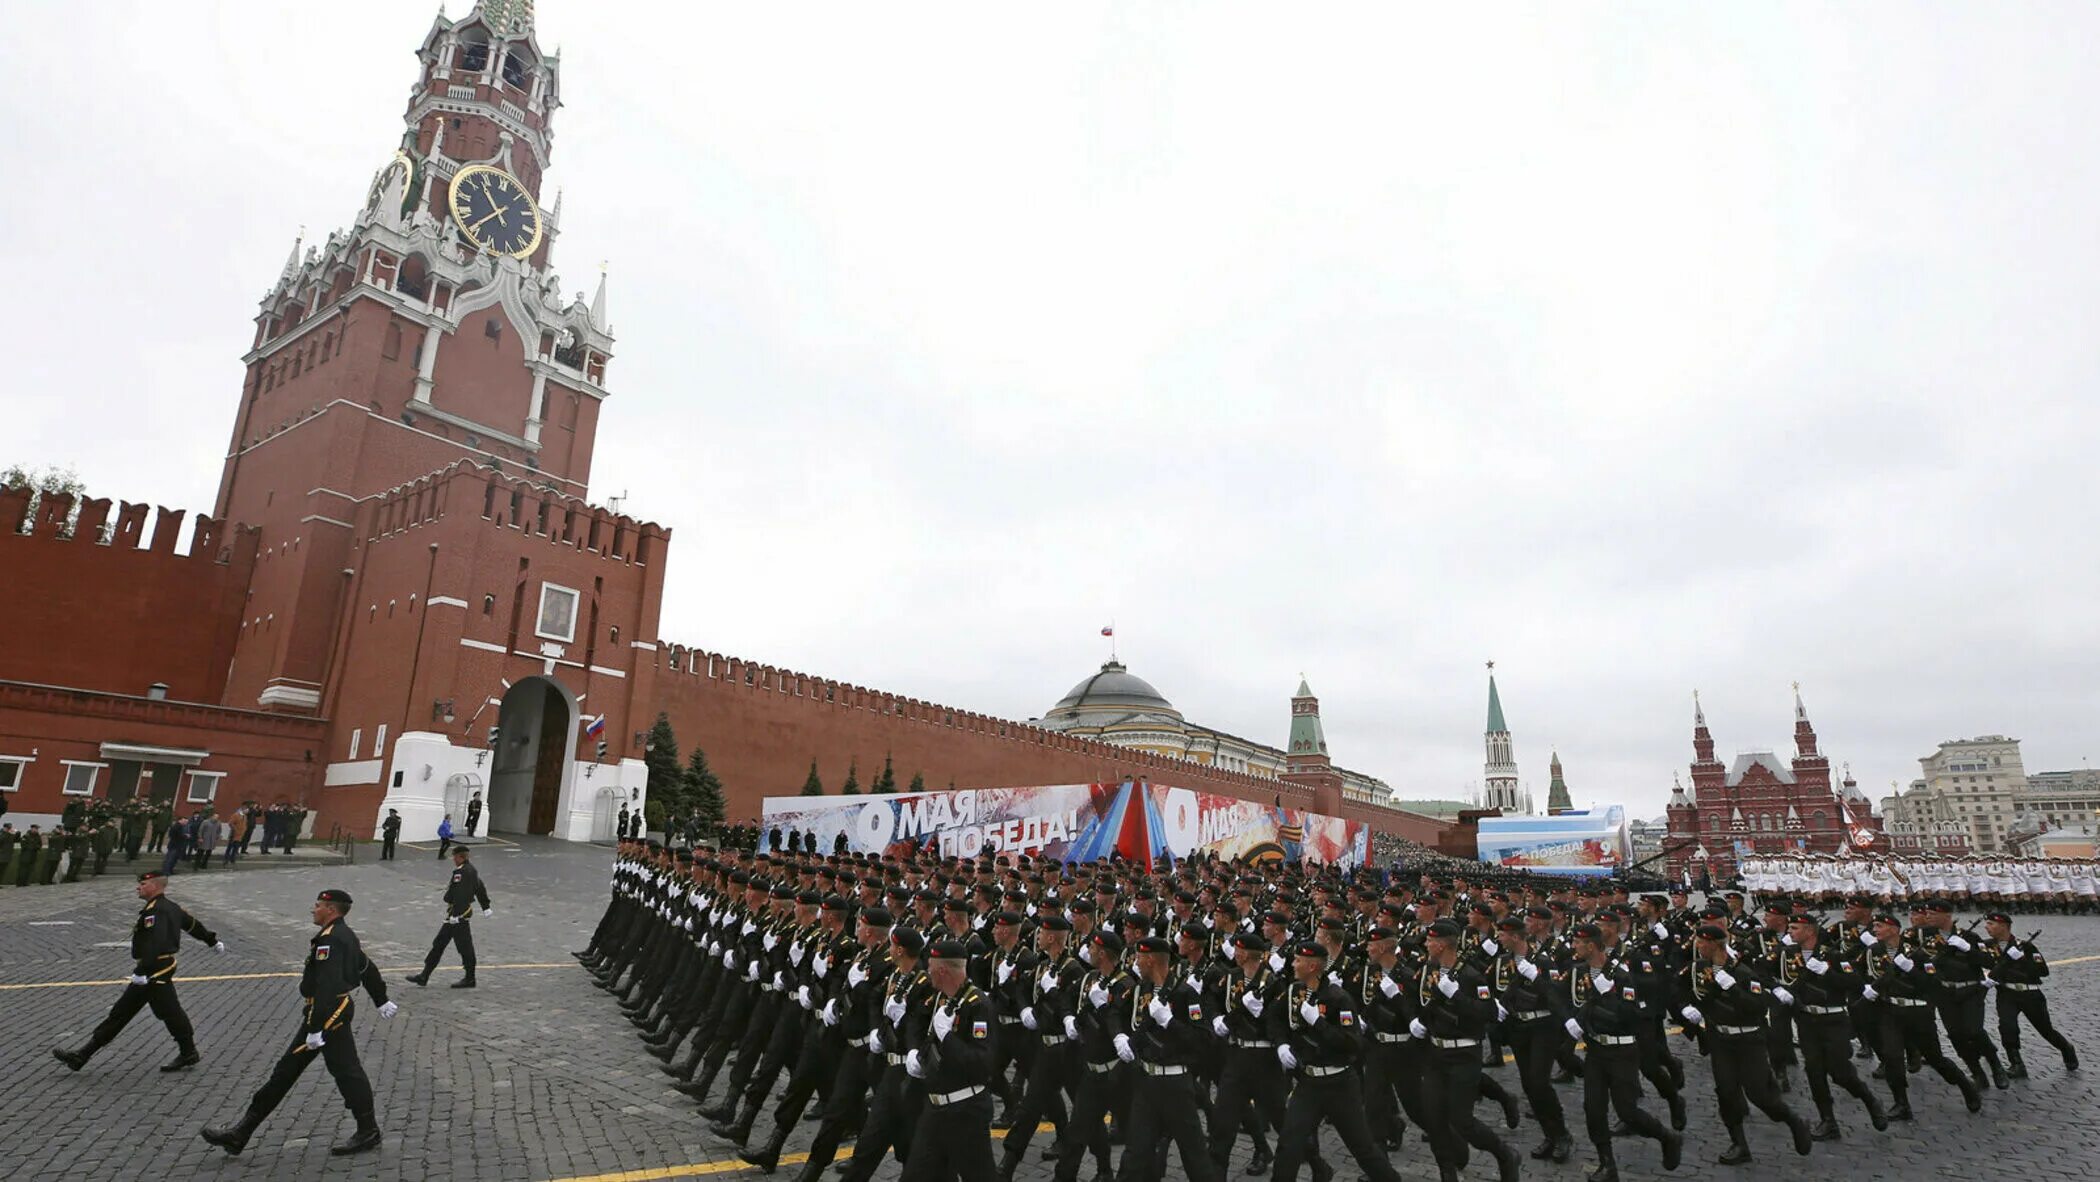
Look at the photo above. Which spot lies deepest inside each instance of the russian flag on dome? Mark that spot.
(1109, 631)
(596, 727)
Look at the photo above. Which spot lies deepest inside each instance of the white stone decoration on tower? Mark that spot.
(1502, 790)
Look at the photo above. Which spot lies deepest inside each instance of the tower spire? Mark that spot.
(506, 17)
(1501, 771)
(1557, 799)
(598, 302)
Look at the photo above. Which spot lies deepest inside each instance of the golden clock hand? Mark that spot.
(477, 225)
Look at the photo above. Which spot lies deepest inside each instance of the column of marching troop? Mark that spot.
(2019, 886)
(920, 1007)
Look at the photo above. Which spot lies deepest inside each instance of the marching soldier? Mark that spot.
(1164, 1037)
(1603, 1011)
(1732, 1010)
(461, 894)
(1956, 965)
(1052, 990)
(906, 1003)
(1319, 1041)
(950, 1057)
(155, 936)
(1816, 985)
(335, 968)
(1899, 986)
(2018, 971)
(1104, 1003)
(1525, 988)
(1455, 1004)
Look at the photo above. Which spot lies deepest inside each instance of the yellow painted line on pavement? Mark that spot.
(264, 976)
(698, 1169)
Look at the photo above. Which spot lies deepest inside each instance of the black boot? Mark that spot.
(1999, 1079)
(1738, 1154)
(1901, 1111)
(1673, 1149)
(2015, 1066)
(1261, 1162)
(234, 1137)
(466, 982)
(1875, 1115)
(366, 1137)
(1509, 1166)
(419, 979)
(1824, 1130)
(1797, 1124)
(1676, 1101)
(2070, 1057)
(185, 1058)
(1607, 1167)
(1971, 1095)
(76, 1059)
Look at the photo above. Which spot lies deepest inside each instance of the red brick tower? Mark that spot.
(1307, 761)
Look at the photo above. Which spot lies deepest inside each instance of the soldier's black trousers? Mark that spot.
(1901, 1029)
(1743, 1077)
(461, 933)
(1534, 1044)
(1337, 1100)
(1249, 1074)
(2014, 1004)
(1450, 1089)
(1826, 1055)
(818, 1062)
(339, 1052)
(159, 995)
(951, 1141)
(1049, 1074)
(1961, 1008)
(1611, 1082)
(1098, 1093)
(891, 1124)
(1163, 1109)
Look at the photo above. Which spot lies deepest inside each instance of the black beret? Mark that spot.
(1332, 924)
(1009, 918)
(1444, 929)
(1999, 917)
(812, 898)
(949, 950)
(911, 941)
(1712, 931)
(151, 874)
(1081, 907)
(1382, 932)
(1510, 923)
(1309, 948)
(1226, 909)
(1482, 909)
(783, 891)
(1539, 912)
(837, 903)
(877, 917)
(1779, 907)
(1109, 940)
(1055, 923)
(1859, 901)
(340, 898)
(955, 905)
(741, 877)
(898, 891)
(1939, 905)
(1157, 944)
(1276, 917)
(1195, 930)
(1587, 931)
(1252, 941)
(1136, 919)
(1886, 918)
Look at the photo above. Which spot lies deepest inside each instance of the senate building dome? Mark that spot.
(1114, 690)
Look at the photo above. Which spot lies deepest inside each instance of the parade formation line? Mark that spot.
(186, 981)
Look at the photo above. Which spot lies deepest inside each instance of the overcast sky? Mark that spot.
(1639, 348)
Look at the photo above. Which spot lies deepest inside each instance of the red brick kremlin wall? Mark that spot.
(761, 726)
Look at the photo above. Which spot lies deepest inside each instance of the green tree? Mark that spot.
(666, 780)
(51, 481)
(703, 791)
(918, 782)
(887, 781)
(813, 786)
(852, 785)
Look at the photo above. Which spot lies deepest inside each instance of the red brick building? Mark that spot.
(421, 602)
(1759, 805)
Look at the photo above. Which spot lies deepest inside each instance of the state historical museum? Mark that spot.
(404, 593)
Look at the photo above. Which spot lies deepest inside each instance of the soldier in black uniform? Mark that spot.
(1816, 985)
(1730, 1004)
(1899, 988)
(860, 982)
(951, 1058)
(461, 894)
(335, 968)
(1602, 1008)
(155, 936)
(1248, 1074)
(904, 1005)
(1524, 985)
(1957, 965)
(1320, 1041)
(1164, 1038)
(1050, 992)
(2018, 967)
(1454, 1004)
(389, 832)
(1104, 1000)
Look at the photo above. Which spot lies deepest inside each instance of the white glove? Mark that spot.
(1785, 998)
(796, 952)
(729, 959)
(1958, 943)
(779, 982)
(1028, 1018)
(1989, 982)
(1573, 1028)
(1501, 1014)
(714, 948)
(1123, 1049)
(688, 922)
(1491, 947)
(749, 927)
(1335, 979)
(751, 972)
(802, 997)
(1071, 1026)
(1816, 965)
(452, 919)
(893, 1010)
(1661, 932)
(1253, 1003)
(1232, 948)
(943, 1024)
(1218, 1027)
(138, 978)
(1310, 1012)
(1086, 954)
(1045, 981)
(1004, 973)
(1724, 978)
(2013, 953)
(1275, 962)
(1098, 996)
(315, 1042)
(1526, 969)
(1388, 986)
(1285, 1057)
(1869, 993)
(1161, 1012)
(1904, 962)
(854, 976)
(487, 911)
(769, 941)
(822, 965)
(389, 1009)
(829, 1015)
(220, 947)
(1692, 1015)
(1600, 983)
(1416, 1028)
(1867, 937)
(913, 1067)
(1447, 985)
(1787, 938)
(875, 1041)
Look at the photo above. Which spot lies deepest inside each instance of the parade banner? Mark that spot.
(1142, 823)
(1589, 842)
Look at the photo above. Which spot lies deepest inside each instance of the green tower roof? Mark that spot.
(1307, 737)
(1495, 722)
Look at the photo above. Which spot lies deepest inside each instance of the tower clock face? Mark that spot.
(495, 211)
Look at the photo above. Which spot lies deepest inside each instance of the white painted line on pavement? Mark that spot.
(50, 923)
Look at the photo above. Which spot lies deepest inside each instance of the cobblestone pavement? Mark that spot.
(535, 1075)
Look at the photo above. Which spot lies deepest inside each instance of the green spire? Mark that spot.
(1307, 738)
(1557, 792)
(1495, 722)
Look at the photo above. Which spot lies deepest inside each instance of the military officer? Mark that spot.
(1731, 1009)
(1602, 1004)
(461, 893)
(2018, 969)
(155, 936)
